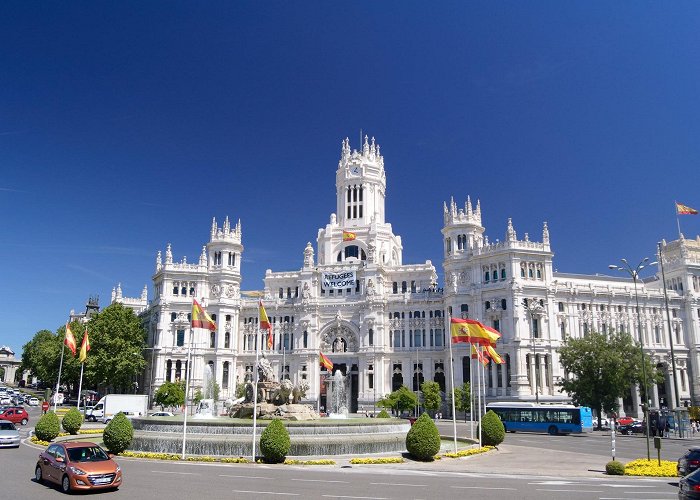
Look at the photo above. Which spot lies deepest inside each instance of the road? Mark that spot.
(146, 479)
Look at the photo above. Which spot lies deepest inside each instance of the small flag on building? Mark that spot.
(325, 362)
(200, 318)
(348, 236)
(685, 209)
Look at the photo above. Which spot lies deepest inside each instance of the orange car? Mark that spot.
(78, 466)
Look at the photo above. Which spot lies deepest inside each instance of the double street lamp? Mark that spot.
(634, 274)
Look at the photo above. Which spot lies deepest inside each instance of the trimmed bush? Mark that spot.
(423, 440)
(48, 427)
(118, 433)
(615, 468)
(492, 431)
(274, 442)
(72, 421)
(383, 414)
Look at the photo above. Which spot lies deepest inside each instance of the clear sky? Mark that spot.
(128, 125)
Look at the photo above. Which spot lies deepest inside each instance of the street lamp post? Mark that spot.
(634, 274)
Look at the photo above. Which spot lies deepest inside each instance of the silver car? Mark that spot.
(9, 435)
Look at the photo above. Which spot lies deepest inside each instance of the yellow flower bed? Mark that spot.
(644, 467)
(173, 456)
(235, 460)
(149, 454)
(469, 452)
(385, 460)
(38, 441)
(91, 431)
(289, 461)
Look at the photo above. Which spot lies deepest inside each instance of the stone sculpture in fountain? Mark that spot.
(275, 399)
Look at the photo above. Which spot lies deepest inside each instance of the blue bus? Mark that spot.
(553, 419)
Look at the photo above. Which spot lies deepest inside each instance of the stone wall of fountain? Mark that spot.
(229, 438)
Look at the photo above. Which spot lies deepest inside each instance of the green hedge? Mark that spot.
(615, 468)
(492, 431)
(275, 442)
(118, 434)
(383, 414)
(423, 440)
(72, 421)
(48, 427)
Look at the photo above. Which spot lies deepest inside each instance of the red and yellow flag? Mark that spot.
(84, 347)
(491, 353)
(685, 209)
(265, 324)
(477, 354)
(200, 318)
(325, 362)
(69, 341)
(348, 236)
(472, 331)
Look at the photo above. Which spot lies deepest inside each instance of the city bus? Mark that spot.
(553, 419)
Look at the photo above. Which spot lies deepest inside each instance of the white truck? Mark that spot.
(129, 404)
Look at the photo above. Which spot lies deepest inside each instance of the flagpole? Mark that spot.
(678, 221)
(255, 385)
(187, 389)
(452, 380)
(478, 375)
(60, 368)
(471, 391)
(80, 385)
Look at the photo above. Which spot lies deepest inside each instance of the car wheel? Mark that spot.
(24, 421)
(552, 430)
(38, 475)
(65, 484)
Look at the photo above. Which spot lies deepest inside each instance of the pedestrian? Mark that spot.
(693, 427)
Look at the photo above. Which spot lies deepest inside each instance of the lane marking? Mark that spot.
(266, 492)
(400, 484)
(319, 480)
(359, 498)
(244, 477)
(571, 491)
(482, 488)
(175, 472)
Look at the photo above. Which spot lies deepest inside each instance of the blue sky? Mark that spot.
(128, 125)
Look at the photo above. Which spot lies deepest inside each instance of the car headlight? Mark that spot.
(77, 471)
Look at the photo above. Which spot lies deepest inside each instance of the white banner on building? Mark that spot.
(336, 281)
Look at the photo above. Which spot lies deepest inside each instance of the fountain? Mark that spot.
(207, 406)
(337, 396)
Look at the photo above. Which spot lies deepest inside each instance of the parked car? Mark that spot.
(9, 435)
(16, 415)
(5, 400)
(689, 462)
(689, 486)
(33, 401)
(633, 428)
(78, 466)
(161, 414)
(626, 420)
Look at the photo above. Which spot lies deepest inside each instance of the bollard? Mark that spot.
(657, 445)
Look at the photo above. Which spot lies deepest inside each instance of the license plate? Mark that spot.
(103, 480)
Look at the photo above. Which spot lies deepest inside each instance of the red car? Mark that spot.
(625, 420)
(15, 415)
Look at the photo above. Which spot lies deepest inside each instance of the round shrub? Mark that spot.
(118, 433)
(72, 421)
(274, 442)
(423, 440)
(48, 427)
(492, 431)
(615, 468)
(383, 414)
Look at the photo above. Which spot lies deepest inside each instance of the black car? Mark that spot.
(689, 462)
(633, 428)
(689, 486)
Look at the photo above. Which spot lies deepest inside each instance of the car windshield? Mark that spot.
(7, 426)
(87, 454)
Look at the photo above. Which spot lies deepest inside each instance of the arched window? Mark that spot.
(224, 376)
(395, 287)
(404, 287)
(503, 304)
(464, 311)
(173, 316)
(503, 275)
(487, 276)
(212, 340)
(494, 275)
(487, 305)
(306, 339)
(352, 251)
(227, 340)
(168, 370)
(371, 336)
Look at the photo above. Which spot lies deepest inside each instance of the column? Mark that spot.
(544, 386)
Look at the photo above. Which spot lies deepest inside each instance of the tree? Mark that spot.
(463, 399)
(117, 339)
(431, 396)
(170, 394)
(402, 399)
(602, 368)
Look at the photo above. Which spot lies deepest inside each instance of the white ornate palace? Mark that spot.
(388, 327)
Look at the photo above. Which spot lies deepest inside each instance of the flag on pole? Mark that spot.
(325, 362)
(491, 353)
(84, 347)
(69, 341)
(476, 354)
(472, 331)
(348, 236)
(685, 209)
(200, 318)
(265, 324)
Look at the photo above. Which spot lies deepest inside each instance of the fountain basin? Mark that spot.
(233, 437)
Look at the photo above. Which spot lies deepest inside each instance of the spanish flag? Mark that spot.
(84, 347)
(685, 209)
(348, 236)
(325, 362)
(200, 318)
(472, 331)
(491, 353)
(477, 354)
(265, 323)
(69, 341)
